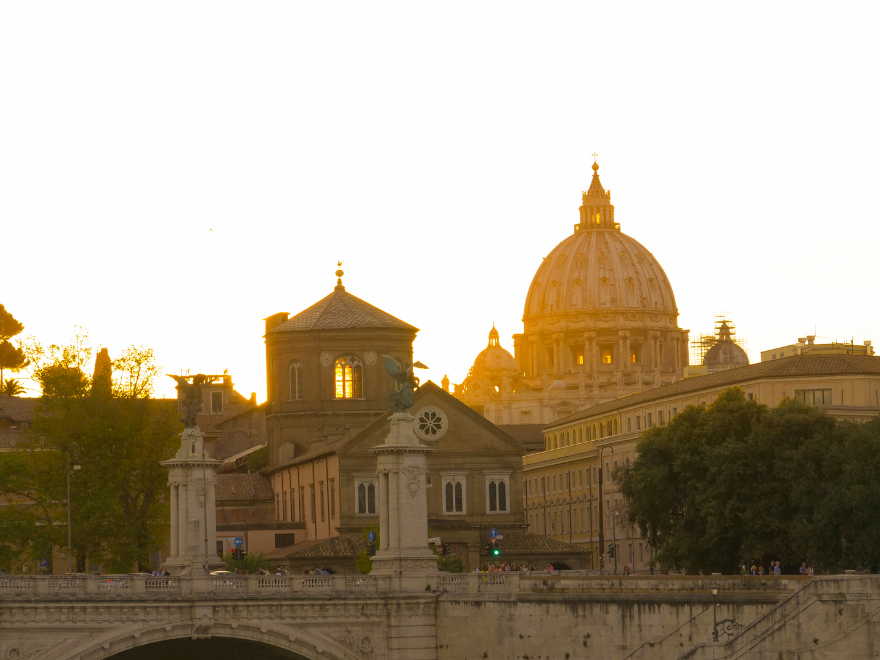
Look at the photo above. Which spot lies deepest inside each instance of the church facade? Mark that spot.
(599, 321)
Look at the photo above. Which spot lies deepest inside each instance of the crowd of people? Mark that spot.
(505, 567)
(774, 569)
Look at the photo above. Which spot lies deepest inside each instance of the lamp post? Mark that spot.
(614, 531)
(76, 468)
(714, 589)
(602, 509)
(554, 518)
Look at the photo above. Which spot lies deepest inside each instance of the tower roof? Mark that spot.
(341, 310)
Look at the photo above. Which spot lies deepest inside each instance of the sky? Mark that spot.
(173, 173)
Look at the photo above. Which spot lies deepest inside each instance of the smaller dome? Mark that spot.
(558, 385)
(494, 358)
(725, 354)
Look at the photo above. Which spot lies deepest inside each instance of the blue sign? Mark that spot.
(237, 541)
(44, 563)
(493, 533)
(371, 537)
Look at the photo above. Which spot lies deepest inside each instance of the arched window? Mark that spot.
(365, 495)
(348, 377)
(497, 485)
(296, 380)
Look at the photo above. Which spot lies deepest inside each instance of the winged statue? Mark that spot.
(190, 397)
(408, 382)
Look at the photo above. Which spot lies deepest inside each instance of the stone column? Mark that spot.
(591, 358)
(192, 480)
(404, 555)
(174, 530)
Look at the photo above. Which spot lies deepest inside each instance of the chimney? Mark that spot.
(253, 398)
(810, 339)
(275, 319)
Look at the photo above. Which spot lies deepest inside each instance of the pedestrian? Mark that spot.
(761, 571)
(803, 569)
(777, 570)
(810, 571)
(755, 570)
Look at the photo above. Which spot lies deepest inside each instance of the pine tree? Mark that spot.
(11, 358)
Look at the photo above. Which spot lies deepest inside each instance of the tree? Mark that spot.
(251, 562)
(120, 508)
(740, 482)
(11, 357)
(11, 387)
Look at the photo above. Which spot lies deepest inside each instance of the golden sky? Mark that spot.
(172, 173)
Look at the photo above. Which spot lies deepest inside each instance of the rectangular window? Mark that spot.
(302, 503)
(606, 356)
(312, 498)
(674, 412)
(814, 397)
(332, 499)
(583, 527)
(216, 402)
(365, 496)
(751, 396)
(454, 493)
(580, 478)
(292, 507)
(577, 355)
(649, 420)
(660, 417)
(284, 505)
(321, 486)
(219, 548)
(641, 554)
(551, 356)
(283, 540)
(628, 424)
(554, 483)
(638, 423)
(277, 507)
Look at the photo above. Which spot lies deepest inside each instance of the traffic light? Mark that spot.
(444, 549)
(496, 549)
(611, 551)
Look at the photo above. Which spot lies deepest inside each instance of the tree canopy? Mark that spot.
(118, 435)
(11, 357)
(741, 483)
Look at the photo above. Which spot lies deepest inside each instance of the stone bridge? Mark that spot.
(452, 617)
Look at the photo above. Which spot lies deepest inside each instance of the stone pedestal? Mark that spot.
(403, 508)
(192, 477)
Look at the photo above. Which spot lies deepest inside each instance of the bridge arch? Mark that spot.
(276, 641)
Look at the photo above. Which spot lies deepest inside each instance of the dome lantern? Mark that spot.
(596, 209)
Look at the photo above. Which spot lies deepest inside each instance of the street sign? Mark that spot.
(493, 533)
(499, 537)
(44, 563)
(371, 537)
(434, 540)
(238, 541)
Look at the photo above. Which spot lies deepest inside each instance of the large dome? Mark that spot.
(494, 358)
(598, 268)
(725, 354)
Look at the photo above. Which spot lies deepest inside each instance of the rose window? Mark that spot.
(430, 423)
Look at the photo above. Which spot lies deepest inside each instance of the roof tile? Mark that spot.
(341, 310)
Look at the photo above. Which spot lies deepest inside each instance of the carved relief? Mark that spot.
(413, 481)
(18, 653)
(370, 357)
(326, 358)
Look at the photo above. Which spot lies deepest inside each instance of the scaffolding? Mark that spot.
(701, 345)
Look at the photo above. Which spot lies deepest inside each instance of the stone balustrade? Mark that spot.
(109, 586)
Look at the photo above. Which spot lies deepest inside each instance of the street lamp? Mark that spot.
(714, 589)
(601, 506)
(554, 518)
(614, 531)
(76, 468)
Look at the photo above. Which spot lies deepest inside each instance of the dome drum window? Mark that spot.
(296, 380)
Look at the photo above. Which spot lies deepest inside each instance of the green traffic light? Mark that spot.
(496, 551)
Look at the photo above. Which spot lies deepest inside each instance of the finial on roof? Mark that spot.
(339, 274)
(595, 164)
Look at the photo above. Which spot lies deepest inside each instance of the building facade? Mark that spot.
(599, 321)
(569, 493)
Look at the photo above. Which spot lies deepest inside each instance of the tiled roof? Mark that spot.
(798, 365)
(526, 543)
(530, 435)
(341, 310)
(243, 488)
(337, 547)
(18, 408)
